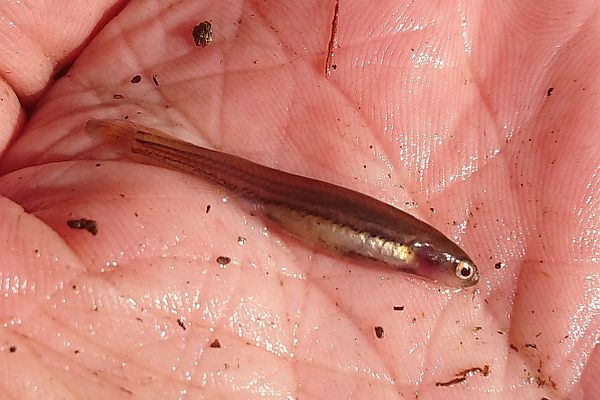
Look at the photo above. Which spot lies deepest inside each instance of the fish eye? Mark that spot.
(464, 270)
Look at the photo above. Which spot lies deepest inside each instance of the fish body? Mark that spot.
(329, 216)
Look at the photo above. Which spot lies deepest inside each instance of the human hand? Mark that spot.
(428, 109)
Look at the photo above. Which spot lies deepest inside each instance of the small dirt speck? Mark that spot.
(83, 223)
(462, 376)
(203, 34)
(223, 260)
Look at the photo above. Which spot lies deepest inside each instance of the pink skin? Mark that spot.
(438, 105)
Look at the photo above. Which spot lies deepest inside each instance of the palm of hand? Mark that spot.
(479, 149)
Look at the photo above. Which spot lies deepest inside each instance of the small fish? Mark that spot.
(329, 216)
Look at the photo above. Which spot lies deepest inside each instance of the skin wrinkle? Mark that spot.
(363, 121)
(382, 144)
(388, 367)
(427, 373)
(365, 336)
(488, 106)
(532, 242)
(513, 338)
